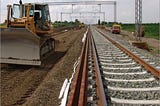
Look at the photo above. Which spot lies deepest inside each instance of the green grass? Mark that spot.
(151, 30)
(58, 24)
(128, 27)
(2, 25)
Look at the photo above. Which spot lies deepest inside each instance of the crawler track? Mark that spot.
(121, 77)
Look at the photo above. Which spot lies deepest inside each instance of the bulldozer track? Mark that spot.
(110, 74)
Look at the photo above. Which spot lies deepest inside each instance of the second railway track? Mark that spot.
(107, 75)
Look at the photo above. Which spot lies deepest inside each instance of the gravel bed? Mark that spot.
(115, 59)
(145, 84)
(103, 50)
(137, 51)
(124, 71)
(91, 93)
(117, 104)
(113, 56)
(129, 77)
(112, 61)
(108, 53)
(135, 95)
(120, 66)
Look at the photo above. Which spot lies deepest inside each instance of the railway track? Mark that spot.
(109, 74)
(87, 86)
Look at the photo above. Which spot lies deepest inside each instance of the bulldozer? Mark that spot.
(25, 38)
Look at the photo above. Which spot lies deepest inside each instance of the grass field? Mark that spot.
(58, 24)
(151, 30)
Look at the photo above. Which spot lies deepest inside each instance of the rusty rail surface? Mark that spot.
(78, 92)
(151, 69)
(100, 89)
(76, 83)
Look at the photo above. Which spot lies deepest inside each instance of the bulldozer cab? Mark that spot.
(20, 10)
(40, 13)
(41, 17)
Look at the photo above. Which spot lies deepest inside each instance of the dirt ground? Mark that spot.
(153, 44)
(40, 86)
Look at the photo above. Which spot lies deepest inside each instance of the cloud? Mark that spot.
(151, 11)
(125, 10)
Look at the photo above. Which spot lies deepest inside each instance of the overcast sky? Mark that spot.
(125, 11)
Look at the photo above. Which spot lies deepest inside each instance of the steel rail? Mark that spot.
(73, 98)
(151, 69)
(79, 88)
(100, 89)
(83, 88)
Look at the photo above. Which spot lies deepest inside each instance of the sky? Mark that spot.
(125, 11)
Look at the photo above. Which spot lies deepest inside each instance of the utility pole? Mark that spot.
(115, 12)
(138, 27)
(61, 16)
(138, 19)
(99, 3)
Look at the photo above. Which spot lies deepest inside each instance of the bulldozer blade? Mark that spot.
(19, 46)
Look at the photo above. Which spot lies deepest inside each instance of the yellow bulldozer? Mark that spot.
(25, 39)
(116, 29)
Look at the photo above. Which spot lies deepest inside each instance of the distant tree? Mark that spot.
(77, 21)
(104, 23)
(65, 21)
(71, 22)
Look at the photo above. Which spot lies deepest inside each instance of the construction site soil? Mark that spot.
(40, 86)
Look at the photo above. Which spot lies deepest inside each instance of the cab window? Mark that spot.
(16, 11)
